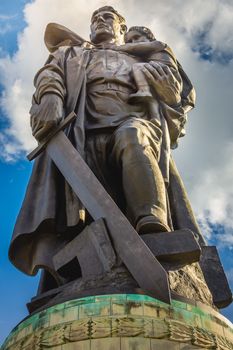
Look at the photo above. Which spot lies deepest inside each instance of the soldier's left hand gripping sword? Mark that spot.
(141, 263)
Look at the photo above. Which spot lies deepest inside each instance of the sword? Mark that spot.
(135, 254)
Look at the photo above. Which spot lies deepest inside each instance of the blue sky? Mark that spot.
(204, 156)
(12, 22)
(16, 288)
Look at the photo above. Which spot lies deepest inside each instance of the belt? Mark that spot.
(110, 86)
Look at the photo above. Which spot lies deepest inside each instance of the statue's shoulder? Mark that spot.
(58, 38)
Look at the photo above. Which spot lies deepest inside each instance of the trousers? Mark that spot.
(125, 160)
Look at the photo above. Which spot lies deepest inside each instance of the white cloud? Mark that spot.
(212, 195)
(205, 154)
(6, 17)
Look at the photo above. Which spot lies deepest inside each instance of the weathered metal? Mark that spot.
(135, 254)
(42, 145)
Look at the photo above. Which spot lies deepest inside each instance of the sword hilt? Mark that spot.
(40, 148)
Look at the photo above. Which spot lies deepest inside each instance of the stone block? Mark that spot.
(212, 326)
(150, 309)
(186, 317)
(160, 344)
(81, 345)
(95, 309)
(179, 246)
(106, 344)
(118, 308)
(135, 344)
(134, 308)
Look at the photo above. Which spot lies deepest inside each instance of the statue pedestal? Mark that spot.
(122, 322)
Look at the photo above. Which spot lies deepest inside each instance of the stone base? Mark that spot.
(122, 322)
(187, 284)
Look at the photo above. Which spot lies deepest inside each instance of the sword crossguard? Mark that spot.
(40, 148)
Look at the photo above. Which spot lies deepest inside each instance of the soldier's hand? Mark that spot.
(163, 81)
(46, 115)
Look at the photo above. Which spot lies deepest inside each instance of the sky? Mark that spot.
(201, 36)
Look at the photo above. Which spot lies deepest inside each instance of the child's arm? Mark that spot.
(143, 48)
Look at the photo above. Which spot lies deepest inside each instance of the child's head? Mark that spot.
(139, 34)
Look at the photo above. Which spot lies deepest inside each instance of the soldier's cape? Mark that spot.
(56, 35)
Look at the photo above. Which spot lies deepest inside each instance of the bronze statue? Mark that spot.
(116, 138)
(125, 140)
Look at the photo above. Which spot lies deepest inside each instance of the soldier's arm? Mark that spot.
(167, 57)
(168, 88)
(48, 99)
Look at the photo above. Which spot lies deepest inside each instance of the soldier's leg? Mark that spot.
(97, 158)
(135, 148)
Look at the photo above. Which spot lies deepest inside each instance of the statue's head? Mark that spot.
(107, 25)
(138, 34)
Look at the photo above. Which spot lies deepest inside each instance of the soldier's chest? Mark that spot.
(109, 63)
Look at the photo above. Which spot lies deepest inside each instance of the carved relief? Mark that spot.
(160, 329)
(77, 330)
(53, 336)
(180, 331)
(94, 328)
(130, 327)
(101, 328)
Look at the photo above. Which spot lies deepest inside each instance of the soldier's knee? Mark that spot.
(129, 136)
(127, 143)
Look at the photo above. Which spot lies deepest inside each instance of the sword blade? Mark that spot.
(135, 254)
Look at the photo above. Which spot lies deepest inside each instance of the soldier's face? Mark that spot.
(105, 25)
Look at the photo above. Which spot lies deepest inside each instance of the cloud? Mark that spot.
(230, 275)
(214, 208)
(6, 28)
(4, 17)
(7, 17)
(200, 33)
(6, 23)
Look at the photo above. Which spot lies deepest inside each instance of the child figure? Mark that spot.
(137, 35)
(140, 41)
